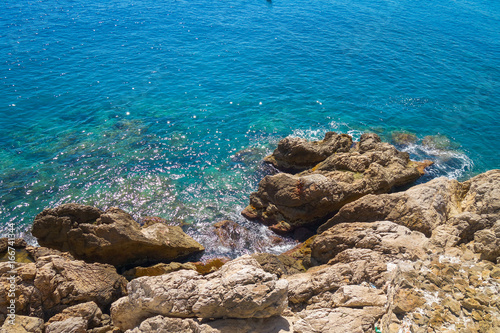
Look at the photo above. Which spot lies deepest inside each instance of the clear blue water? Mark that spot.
(147, 105)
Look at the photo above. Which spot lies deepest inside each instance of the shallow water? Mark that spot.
(167, 108)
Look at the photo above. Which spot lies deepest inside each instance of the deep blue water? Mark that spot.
(147, 105)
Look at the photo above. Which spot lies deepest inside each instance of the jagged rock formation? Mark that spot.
(335, 175)
(240, 289)
(442, 206)
(111, 237)
(54, 283)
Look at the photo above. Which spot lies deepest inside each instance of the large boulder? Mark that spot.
(111, 237)
(442, 207)
(240, 289)
(23, 324)
(81, 317)
(178, 325)
(55, 283)
(382, 236)
(296, 154)
(288, 201)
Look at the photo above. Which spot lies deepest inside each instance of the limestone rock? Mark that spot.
(110, 237)
(359, 296)
(466, 207)
(55, 283)
(288, 201)
(63, 283)
(281, 265)
(23, 324)
(72, 324)
(178, 325)
(240, 289)
(403, 138)
(338, 320)
(487, 242)
(158, 269)
(383, 236)
(296, 154)
(89, 312)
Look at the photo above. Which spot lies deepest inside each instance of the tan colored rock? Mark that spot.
(63, 283)
(359, 296)
(55, 283)
(383, 236)
(281, 265)
(89, 312)
(178, 325)
(465, 207)
(23, 324)
(240, 289)
(287, 201)
(338, 320)
(155, 270)
(111, 237)
(296, 154)
(407, 300)
(71, 324)
(487, 243)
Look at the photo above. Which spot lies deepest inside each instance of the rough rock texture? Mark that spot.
(253, 325)
(23, 324)
(281, 265)
(440, 206)
(240, 289)
(338, 320)
(158, 269)
(55, 283)
(385, 237)
(85, 315)
(287, 201)
(296, 154)
(73, 325)
(111, 237)
(453, 292)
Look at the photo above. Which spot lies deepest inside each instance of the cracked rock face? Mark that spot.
(337, 175)
(240, 289)
(55, 283)
(111, 237)
(450, 211)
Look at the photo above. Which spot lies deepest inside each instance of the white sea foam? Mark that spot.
(452, 164)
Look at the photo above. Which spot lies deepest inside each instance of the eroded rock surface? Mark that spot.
(55, 283)
(111, 237)
(442, 205)
(287, 201)
(240, 289)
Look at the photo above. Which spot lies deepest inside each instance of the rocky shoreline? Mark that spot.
(372, 259)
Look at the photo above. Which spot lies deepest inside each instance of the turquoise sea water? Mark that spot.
(166, 108)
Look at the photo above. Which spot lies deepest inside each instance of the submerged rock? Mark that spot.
(111, 237)
(240, 289)
(403, 138)
(288, 201)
